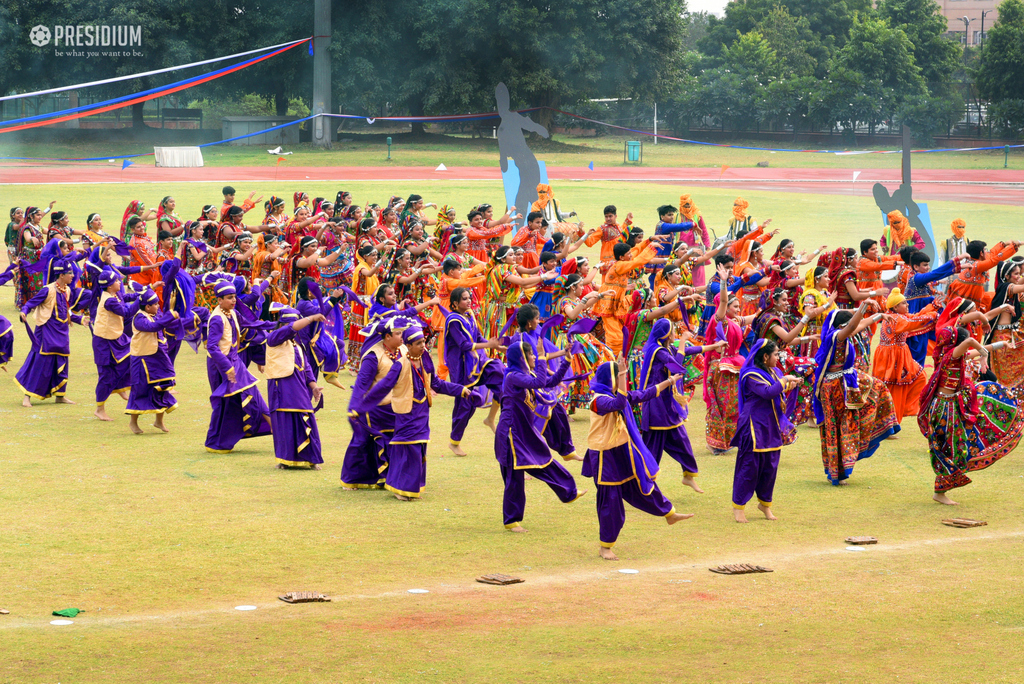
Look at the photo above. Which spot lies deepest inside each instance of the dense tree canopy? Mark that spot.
(776, 64)
(1001, 71)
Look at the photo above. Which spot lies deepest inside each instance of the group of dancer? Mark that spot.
(532, 333)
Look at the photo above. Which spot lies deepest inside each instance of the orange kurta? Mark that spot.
(478, 239)
(894, 365)
(528, 240)
(740, 249)
(970, 282)
(610, 235)
(613, 310)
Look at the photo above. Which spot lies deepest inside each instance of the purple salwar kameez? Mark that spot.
(622, 467)
(296, 437)
(663, 418)
(366, 456)
(518, 443)
(44, 373)
(239, 411)
(470, 368)
(152, 371)
(762, 431)
(110, 345)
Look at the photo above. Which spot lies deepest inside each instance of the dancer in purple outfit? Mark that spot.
(469, 365)
(763, 429)
(292, 392)
(239, 411)
(44, 373)
(519, 445)
(410, 383)
(621, 465)
(663, 415)
(152, 371)
(372, 427)
(6, 329)
(110, 342)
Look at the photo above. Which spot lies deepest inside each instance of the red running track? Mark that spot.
(1000, 186)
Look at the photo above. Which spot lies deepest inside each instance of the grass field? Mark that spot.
(157, 540)
(359, 149)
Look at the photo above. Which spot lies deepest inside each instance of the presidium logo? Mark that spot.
(86, 36)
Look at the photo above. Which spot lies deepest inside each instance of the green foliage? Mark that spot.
(250, 104)
(449, 57)
(1008, 116)
(1001, 71)
(870, 77)
(938, 57)
(796, 47)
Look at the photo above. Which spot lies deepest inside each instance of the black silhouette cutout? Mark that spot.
(512, 144)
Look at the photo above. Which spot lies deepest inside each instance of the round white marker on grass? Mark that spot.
(626, 571)
(855, 548)
(61, 622)
(418, 591)
(245, 607)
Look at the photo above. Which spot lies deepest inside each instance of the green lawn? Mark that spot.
(358, 149)
(158, 540)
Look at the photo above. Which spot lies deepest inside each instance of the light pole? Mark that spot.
(984, 12)
(967, 30)
(322, 73)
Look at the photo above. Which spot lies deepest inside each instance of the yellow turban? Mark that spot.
(895, 298)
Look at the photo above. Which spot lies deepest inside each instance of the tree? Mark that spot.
(870, 78)
(1001, 71)
(172, 32)
(938, 56)
(696, 29)
(797, 48)
(829, 21)
(448, 55)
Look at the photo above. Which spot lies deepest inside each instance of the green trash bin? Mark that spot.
(634, 151)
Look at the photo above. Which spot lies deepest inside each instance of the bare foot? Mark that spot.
(26, 402)
(573, 457)
(337, 383)
(943, 499)
(123, 394)
(692, 484)
(893, 437)
(607, 554)
(63, 400)
(343, 487)
(767, 512)
(456, 449)
(102, 414)
(673, 518)
(489, 422)
(402, 497)
(282, 466)
(518, 529)
(740, 516)
(314, 466)
(159, 423)
(134, 427)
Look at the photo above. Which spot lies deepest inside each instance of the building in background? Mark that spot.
(969, 33)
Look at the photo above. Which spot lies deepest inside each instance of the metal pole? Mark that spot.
(906, 155)
(655, 123)
(322, 73)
